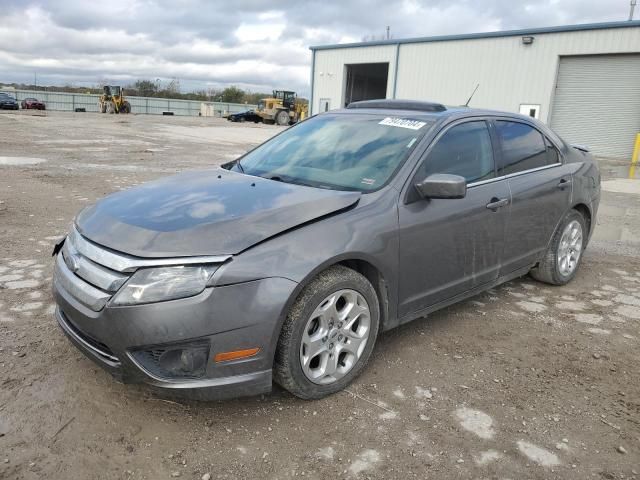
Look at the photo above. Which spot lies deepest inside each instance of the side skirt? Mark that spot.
(463, 296)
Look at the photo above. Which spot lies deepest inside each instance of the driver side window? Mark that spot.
(463, 150)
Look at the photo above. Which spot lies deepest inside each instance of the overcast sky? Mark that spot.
(254, 44)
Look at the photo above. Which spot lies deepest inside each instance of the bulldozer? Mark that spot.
(112, 100)
(283, 108)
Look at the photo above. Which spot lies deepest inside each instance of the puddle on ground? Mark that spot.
(19, 161)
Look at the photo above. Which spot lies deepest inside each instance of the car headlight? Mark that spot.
(165, 283)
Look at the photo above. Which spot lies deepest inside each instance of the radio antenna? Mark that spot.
(472, 94)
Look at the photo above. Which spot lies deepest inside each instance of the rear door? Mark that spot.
(541, 187)
(450, 246)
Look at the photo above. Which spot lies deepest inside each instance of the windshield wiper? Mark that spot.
(240, 167)
(287, 179)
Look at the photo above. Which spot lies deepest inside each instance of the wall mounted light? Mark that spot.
(527, 40)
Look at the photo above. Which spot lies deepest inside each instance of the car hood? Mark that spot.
(213, 212)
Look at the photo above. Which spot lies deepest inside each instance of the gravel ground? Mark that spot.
(523, 381)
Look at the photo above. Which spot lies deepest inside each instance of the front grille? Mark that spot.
(91, 274)
(86, 264)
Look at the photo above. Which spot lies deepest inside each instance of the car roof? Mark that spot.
(429, 110)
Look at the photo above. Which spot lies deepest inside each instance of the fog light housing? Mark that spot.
(175, 361)
(181, 362)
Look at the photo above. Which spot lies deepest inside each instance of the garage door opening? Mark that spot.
(366, 81)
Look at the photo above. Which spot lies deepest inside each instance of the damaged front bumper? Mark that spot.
(172, 345)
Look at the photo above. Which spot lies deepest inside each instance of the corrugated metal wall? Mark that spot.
(597, 102)
(68, 102)
(509, 72)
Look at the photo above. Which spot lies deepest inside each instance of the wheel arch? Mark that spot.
(580, 207)
(360, 263)
(585, 211)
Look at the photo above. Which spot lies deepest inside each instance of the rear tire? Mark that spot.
(564, 255)
(334, 345)
(282, 118)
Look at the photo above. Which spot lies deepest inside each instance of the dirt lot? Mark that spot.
(524, 381)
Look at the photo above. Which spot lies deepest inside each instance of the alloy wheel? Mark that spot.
(335, 336)
(570, 248)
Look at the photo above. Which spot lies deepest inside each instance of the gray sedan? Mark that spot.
(287, 263)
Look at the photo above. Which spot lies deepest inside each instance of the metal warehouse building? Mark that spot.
(583, 80)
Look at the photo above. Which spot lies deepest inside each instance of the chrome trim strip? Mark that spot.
(69, 330)
(93, 273)
(511, 175)
(123, 263)
(87, 295)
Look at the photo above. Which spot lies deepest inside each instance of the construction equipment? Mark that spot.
(282, 109)
(112, 100)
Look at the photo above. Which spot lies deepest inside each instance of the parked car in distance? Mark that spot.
(248, 116)
(287, 263)
(32, 103)
(7, 102)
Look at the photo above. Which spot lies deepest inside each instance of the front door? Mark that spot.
(450, 246)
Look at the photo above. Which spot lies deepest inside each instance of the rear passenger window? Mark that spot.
(463, 150)
(523, 147)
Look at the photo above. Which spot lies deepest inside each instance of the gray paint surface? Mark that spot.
(426, 253)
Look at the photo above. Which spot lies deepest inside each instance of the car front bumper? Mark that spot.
(228, 318)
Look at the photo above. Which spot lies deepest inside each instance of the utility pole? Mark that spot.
(35, 80)
(633, 7)
(389, 28)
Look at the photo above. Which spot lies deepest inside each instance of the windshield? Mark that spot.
(344, 152)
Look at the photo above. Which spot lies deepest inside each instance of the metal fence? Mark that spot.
(68, 102)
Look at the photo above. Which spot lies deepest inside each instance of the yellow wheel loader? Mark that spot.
(283, 108)
(112, 100)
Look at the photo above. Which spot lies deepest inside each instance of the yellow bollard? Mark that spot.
(634, 157)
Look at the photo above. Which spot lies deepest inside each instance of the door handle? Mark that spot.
(497, 203)
(564, 183)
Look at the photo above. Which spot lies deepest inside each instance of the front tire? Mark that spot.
(329, 334)
(282, 118)
(564, 255)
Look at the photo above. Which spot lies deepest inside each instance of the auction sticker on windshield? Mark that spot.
(403, 123)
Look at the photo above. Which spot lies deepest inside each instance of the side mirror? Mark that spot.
(442, 185)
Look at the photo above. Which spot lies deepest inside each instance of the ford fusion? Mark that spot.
(286, 264)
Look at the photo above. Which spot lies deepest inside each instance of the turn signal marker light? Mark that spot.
(236, 355)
